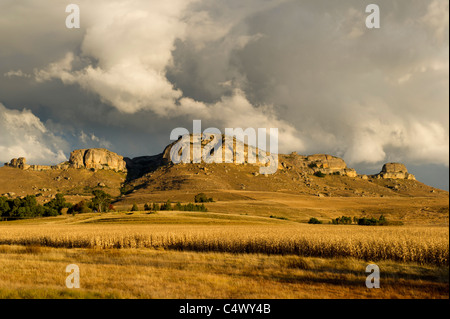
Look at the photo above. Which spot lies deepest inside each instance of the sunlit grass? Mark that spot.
(150, 273)
(423, 245)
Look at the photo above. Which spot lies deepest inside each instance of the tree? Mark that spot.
(314, 220)
(56, 204)
(101, 200)
(135, 208)
(155, 207)
(202, 198)
(178, 207)
(167, 205)
(79, 208)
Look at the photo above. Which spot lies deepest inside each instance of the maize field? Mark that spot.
(423, 245)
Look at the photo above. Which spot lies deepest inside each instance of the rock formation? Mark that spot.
(97, 159)
(20, 162)
(395, 171)
(323, 163)
(86, 158)
(233, 152)
(216, 149)
(328, 164)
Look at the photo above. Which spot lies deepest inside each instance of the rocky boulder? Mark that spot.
(329, 164)
(395, 171)
(229, 150)
(20, 162)
(97, 159)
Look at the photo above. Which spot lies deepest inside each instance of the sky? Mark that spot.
(137, 69)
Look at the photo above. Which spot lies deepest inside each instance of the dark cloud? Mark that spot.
(311, 68)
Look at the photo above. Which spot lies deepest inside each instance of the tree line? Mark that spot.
(364, 221)
(28, 207)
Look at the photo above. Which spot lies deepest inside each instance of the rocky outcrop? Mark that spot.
(97, 159)
(328, 164)
(215, 149)
(20, 162)
(236, 152)
(232, 152)
(395, 171)
(323, 163)
(85, 158)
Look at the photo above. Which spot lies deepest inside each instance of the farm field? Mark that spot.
(215, 255)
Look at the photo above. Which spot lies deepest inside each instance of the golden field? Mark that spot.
(212, 255)
(39, 272)
(423, 245)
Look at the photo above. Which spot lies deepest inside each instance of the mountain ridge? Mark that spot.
(318, 175)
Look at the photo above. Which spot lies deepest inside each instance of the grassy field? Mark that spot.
(425, 245)
(215, 255)
(413, 211)
(39, 272)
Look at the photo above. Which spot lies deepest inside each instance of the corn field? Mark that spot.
(423, 245)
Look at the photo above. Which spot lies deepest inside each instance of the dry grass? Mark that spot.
(422, 245)
(208, 255)
(149, 273)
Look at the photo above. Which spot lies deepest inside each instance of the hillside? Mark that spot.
(303, 186)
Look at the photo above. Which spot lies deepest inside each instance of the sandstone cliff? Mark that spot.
(395, 171)
(237, 153)
(85, 158)
(97, 159)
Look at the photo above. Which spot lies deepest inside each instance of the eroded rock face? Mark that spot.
(216, 149)
(395, 171)
(86, 158)
(20, 162)
(236, 152)
(327, 162)
(97, 158)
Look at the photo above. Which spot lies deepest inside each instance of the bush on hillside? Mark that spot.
(202, 198)
(314, 220)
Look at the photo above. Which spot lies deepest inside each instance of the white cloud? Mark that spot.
(18, 73)
(22, 134)
(132, 43)
(436, 20)
(133, 46)
(92, 141)
(299, 66)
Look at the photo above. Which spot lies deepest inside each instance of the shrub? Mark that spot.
(344, 220)
(382, 221)
(28, 207)
(166, 206)
(190, 207)
(57, 204)
(202, 198)
(79, 208)
(135, 208)
(320, 174)
(314, 220)
(101, 201)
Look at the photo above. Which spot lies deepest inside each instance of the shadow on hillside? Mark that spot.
(140, 166)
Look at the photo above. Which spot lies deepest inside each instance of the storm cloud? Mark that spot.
(138, 69)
